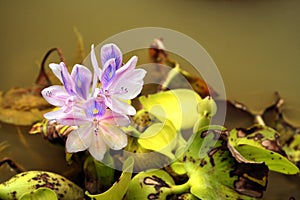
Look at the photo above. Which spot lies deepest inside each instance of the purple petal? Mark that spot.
(79, 139)
(67, 79)
(110, 51)
(94, 108)
(55, 95)
(114, 137)
(108, 73)
(82, 77)
(97, 70)
(98, 147)
(56, 69)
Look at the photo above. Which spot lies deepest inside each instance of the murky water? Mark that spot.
(255, 44)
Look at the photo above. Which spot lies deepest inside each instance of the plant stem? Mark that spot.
(176, 189)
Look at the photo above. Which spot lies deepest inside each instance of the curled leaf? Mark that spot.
(179, 106)
(260, 144)
(98, 176)
(119, 188)
(160, 137)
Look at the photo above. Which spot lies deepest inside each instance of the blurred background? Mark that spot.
(255, 43)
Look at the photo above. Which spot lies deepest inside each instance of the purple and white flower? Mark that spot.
(74, 91)
(99, 113)
(119, 83)
(98, 130)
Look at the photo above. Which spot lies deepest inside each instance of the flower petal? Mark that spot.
(110, 51)
(67, 79)
(55, 114)
(129, 66)
(114, 118)
(120, 106)
(94, 108)
(114, 137)
(98, 147)
(129, 85)
(82, 77)
(55, 95)
(73, 118)
(97, 70)
(108, 73)
(79, 139)
(56, 69)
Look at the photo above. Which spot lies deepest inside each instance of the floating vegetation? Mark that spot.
(134, 145)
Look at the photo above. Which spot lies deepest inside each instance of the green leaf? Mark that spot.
(149, 185)
(179, 106)
(187, 196)
(27, 182)
(98, 176)
(215, 174)
(178, 168)
(274, 161)
(160, 137)
(118, 190)
(207, 107)
(143, 158)
(260, 144)
(292, 148)
(40, 194)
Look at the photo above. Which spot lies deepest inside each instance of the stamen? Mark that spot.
(125, 90)
(96, 128)
(48, 93)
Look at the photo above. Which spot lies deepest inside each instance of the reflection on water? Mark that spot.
(255, 44)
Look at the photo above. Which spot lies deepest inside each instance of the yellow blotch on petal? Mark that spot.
(95, 111)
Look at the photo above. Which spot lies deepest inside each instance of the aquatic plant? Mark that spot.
(146, 138)
(98, 127)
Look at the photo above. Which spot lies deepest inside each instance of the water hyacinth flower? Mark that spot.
(98, 113)
(98, 129)
(119, 83)
(74, 91)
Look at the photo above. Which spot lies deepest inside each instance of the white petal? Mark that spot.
(98, 147)
(114, 118)
(122, 107)
(113, 136)
(55, 114)
(73, 118)
(129, 85)
(55, 95)
(56, 69)
(97, 70)
(79, 139)
(129, 66)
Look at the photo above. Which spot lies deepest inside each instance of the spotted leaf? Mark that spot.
(260, 144)
(215, 174)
